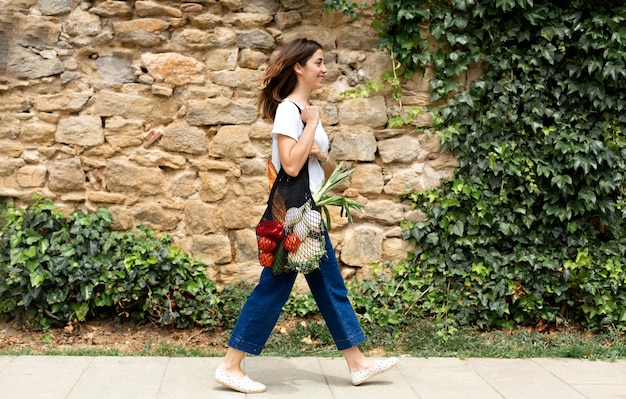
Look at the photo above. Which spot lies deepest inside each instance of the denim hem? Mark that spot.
(351, 341)
(244, 346)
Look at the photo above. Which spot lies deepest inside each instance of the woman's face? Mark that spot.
(314, 70)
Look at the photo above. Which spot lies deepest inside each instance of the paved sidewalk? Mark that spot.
(83, 377)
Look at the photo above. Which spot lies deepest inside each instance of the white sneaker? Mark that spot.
(245, 384)
(380, 366)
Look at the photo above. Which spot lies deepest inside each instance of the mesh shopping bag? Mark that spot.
(290, 235)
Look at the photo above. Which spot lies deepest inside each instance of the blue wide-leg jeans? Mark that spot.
(262, 309)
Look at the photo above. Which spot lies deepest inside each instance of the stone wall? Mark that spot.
(148, 108)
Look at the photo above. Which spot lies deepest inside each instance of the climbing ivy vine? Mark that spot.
(530, 229)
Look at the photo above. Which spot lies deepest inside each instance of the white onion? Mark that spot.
(313, 220)
(301, 230)
(292, 216)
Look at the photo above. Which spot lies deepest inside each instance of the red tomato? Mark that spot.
(292, 242)
(266, 244)
(266, 259)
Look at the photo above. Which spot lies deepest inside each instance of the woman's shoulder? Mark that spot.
(289, 104)
(287, 109)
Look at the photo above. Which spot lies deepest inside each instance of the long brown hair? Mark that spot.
(280, 78)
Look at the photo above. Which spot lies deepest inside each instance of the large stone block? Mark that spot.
(241, 79)
(202, 218)
(240, 213)
(399, 149)
(114, 70)
(122, 132)
(396, 249)
(213, 250)
(8, 166)
(154, 9)
(153, 110)
(246, 248)
(32, 176)
(206, 20)
(154, 216)
(10, 128)
(247, 20)
(220, 111)
(354, 146)
(112, 8)
(123, 177)
(37, 32)
(285, 20)
(146, 32)
(254, 187)
(221, 59)
(232, 142)
(54, 7)
(213, 187)
(199, 39)
(25, 64)
(158, 158)
(252, 59)
(66, 175)
(180, 137)
(385, 212)
(102, 197)
(371, 112)
(405, 180)
(69, 102)
(83, 23)
(11, 148)
(362, 246)
(367, 179)
(356, 37)
(256, 39)
(85, 131)
(184, 184)
(173, 68)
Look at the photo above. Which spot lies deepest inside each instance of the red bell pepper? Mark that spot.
(271, 229)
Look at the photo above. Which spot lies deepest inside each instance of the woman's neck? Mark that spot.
(302, 97)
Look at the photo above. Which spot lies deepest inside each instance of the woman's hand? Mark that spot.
(324, 159)
(310, 115)
(317, 152)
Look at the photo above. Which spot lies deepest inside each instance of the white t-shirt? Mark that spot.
(287, 121)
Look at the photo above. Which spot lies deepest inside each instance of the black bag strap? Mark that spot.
(297, 106)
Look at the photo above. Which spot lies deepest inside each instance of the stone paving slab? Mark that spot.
(78, 377)
(45, 377)
(445, 378)
(522, 379)
(120, 378)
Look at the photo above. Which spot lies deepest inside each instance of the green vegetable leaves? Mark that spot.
(323, 200)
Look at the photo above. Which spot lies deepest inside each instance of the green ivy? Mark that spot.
(531, 227)
(345, 7)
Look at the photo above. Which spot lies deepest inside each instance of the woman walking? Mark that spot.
(298, 140)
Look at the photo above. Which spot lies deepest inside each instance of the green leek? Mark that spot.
(323, 200)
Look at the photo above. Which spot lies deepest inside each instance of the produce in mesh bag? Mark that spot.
(304, 226)
(308, 256)
(291, 233)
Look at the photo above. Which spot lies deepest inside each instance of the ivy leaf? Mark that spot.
(37, 279)
(561, 181)
(457, 228)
